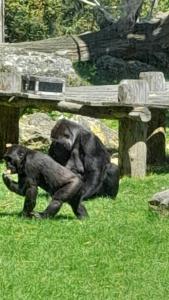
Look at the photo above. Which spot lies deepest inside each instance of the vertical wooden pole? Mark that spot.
(132, 147)
(133, 132)
(2, 39)
(156, 127)
(9, 127)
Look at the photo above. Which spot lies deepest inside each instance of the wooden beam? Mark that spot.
(2, 16)
(133, 132)
(156, 127)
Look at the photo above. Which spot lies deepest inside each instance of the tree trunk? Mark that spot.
(9, 127)
(152, 37)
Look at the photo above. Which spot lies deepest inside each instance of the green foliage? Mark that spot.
(120, 252)
(163, 5)
(38, 19)
(24, 20)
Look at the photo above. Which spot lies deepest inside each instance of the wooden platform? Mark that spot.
(94, 96)
(139, 105)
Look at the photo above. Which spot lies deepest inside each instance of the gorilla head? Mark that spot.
(14, 158)
(63, 137)
(64, 133)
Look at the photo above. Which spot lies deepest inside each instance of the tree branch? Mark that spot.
(106, 14)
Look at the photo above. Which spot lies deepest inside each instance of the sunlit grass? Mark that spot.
(119, 252)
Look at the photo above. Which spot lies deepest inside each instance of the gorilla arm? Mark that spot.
(13, 186)
(25, 188)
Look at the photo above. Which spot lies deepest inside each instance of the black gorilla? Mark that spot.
(37, 169)
(82, 152)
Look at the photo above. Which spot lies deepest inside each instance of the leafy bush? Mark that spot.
(24, 20)
(38, 19)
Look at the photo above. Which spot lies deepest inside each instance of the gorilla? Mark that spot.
(37, 169)
(84, 154)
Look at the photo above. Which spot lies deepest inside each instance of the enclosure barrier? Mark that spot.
(139, 105)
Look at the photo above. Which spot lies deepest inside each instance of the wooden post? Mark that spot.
(133, 130)
(2, 21)
(9, 127)
(156, 127)
(10, 81)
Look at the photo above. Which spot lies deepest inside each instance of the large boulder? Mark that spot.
(119, 68)
(35, 130)
(108, 136)
(160, 200)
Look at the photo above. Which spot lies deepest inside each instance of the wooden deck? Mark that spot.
(138, 104)
(93, 96)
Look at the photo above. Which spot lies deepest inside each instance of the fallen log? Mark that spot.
(147, 42)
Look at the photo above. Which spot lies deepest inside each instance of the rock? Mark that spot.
(24, 61)
(120, 69)
(35, 130)
(160, 200)
(109, 137)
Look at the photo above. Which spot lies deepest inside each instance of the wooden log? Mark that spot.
(148, 36)
(9, 127)
(96, 111)
(156, 127)
(132, 147)
(133, 132)
(133, 91)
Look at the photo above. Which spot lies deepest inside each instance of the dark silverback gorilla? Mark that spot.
(37, 169)
(82, 152)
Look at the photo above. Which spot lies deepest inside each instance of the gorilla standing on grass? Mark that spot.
(35, 169)
(84, 154)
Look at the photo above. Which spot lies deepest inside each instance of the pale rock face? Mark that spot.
(24, 61)
(35, 130)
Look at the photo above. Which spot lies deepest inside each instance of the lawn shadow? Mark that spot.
(63, 217)
(10, 214)
(160, 169)
(17, 214)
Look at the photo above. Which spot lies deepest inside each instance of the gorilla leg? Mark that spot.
(110, 184)
(70, 193)
(78, 209)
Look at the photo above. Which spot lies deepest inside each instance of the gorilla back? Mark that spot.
(37, 169)
(86, 156)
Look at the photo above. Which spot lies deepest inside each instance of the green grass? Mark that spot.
(119, 252)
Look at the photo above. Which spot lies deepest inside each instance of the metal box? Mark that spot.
(42, 85)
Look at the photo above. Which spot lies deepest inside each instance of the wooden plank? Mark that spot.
(2, 21)
(156, 127)
(155, 80)
(90, 96)
(133, 91)
(100, 88)
(10, 81)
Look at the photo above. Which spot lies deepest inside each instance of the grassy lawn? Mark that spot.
(120, 252)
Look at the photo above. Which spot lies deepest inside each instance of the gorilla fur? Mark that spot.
(37, 169)
(82, 152)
